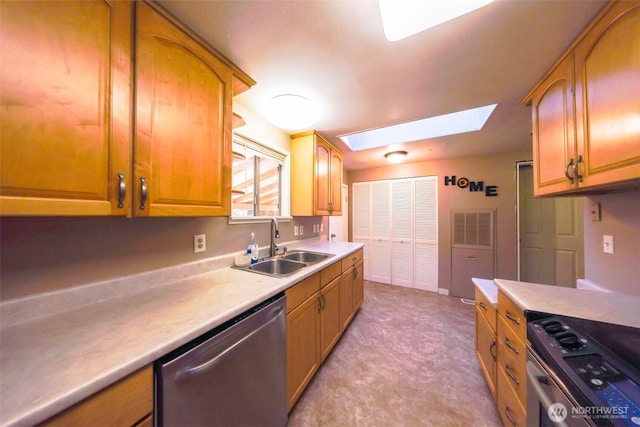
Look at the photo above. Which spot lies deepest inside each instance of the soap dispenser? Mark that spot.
(252, 249)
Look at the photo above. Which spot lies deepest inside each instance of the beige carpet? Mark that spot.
(407, 359)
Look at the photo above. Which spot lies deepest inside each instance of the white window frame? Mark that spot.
(279, 155)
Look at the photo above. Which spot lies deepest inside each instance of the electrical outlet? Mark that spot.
(199, 243)
(301, 230)
(321, 227)
(296, 230)
(607, 244)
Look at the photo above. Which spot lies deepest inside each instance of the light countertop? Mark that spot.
(488, 289)
(608, 307)
(90, 337)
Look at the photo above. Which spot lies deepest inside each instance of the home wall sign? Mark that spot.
(473, 186)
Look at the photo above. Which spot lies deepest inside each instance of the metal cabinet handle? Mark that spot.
(482, 306)
(319, 304)
(511, 346)
(576, 171)
(355, 273)
(122, 190)
(566, 171)
(507, 411)
(512, 317)
(143, 192)
(491, 351)
(507, 370)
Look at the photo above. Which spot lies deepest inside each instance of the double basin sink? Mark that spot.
(286, 264)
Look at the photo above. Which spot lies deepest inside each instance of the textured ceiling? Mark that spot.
(335, 53)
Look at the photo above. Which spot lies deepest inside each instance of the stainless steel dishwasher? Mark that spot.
(235, 375)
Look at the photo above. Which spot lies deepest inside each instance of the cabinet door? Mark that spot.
(183, 122)
(358, 285)
(486, 350)
(65, 114)
(346, 296)
(336, 183)
(303, 347)
(553, 131)
(608, 97)
(330, 325)
(323, 177)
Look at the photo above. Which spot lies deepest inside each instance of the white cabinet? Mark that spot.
(397, 220)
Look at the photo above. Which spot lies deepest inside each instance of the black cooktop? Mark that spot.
(598, 364)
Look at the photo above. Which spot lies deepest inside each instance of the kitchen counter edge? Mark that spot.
(129, 331)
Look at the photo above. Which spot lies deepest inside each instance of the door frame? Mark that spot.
(519, 165)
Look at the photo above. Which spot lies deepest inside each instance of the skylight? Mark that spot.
(402, 18)
(431, 127)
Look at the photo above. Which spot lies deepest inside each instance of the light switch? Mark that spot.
(607, 244)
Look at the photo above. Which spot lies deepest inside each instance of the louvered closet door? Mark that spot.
(380, 222)
(426, 233)
(402, 259)
(361, 223)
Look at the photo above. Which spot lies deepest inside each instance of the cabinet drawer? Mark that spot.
(484, 306)
(513, 316)
(299, 292)
(352, 259)
(512, 360)
(121, 404)
(510, 409)
(330, 273)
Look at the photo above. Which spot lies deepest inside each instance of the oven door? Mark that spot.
(547, 403)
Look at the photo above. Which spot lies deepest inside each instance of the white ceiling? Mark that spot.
(335, 53)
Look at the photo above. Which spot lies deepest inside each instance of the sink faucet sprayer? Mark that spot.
(275, 234)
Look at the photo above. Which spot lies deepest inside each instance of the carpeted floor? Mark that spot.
(407, 359)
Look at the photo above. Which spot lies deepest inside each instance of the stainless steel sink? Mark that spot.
(306, 256)
(277, 267)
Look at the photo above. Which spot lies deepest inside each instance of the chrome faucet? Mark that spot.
(275, 234)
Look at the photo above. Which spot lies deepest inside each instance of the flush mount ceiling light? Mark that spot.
(395, 157)
(291, 112)
(431, 127)
(402, 18)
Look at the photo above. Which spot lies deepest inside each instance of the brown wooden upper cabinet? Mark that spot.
(65, 117)
(316, 176)
(586, 108)
(69, 142)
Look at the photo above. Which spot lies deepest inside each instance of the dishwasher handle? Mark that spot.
(190, 372)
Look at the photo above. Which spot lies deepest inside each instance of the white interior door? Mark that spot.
(402, 259)
(397, 220)
(551, 249)
(426, 233)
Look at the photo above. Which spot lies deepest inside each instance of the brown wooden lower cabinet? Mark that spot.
(319, 308)
(129, 402)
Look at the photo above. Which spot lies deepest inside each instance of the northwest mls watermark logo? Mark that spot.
(557, 412)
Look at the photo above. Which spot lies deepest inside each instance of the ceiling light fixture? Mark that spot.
(291, 112)
(403, 18)
(395, 157)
